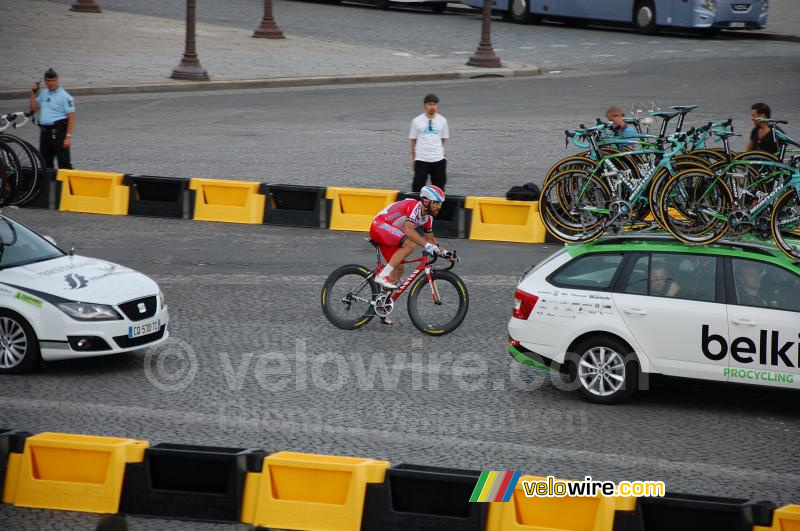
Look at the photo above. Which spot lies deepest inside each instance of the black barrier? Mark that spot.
(162, 197)
(690, 512)
(289, 204)
(42, 197)
(424, 498)
(10, 441)
(449, 221)
(189, 482)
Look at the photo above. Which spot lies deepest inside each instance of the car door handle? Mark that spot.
(634, 311)
(745, 322)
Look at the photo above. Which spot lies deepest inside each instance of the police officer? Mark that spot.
(56, 119)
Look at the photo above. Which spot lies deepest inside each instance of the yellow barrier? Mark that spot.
(355, 208)
(227, 201)
(787, 518)
(555, 514)
(94, 192)
(498, 219)
(307, 491)
(71, 472)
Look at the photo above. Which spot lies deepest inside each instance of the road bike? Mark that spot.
(22, 169)
(437, 301)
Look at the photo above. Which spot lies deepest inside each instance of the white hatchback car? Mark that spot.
(57, 305)
(610, 312)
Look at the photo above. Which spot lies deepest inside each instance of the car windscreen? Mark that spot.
(19, 245)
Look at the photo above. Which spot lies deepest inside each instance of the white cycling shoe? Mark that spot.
(385, 282)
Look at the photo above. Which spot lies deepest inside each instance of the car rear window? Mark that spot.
(593, 271)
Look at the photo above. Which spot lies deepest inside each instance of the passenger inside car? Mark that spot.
(661, 284)
(747, 277)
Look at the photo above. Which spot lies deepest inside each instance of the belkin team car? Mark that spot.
(609, 313)
(56, 305)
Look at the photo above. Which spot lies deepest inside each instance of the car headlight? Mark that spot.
(85, 311)
(765, 5)
(711, 5)
(163, 299)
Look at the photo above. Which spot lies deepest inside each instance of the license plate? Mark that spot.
(736, 24)
(144, 329)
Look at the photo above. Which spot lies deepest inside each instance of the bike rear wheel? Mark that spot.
(347, 297)
(574, 206)
(438, 319)
(9, 173)
(695, 206)
(785, 223)
(31, 169)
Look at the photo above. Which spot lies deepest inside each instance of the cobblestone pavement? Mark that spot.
(238, 294)
(503, 132)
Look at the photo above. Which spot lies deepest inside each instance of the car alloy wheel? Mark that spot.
(13, 343)
(601, 371)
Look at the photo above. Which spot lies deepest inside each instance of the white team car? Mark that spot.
(57, 305)
(608, 313)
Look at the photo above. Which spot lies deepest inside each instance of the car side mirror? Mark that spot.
(50, 239)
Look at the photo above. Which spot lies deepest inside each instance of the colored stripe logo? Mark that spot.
(494, 486)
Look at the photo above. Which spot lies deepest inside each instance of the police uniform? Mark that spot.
(55, 106)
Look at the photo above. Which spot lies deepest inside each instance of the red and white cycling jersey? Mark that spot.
(411, 210)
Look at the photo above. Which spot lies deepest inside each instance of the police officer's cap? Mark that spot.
(50, 74)
(431, 97)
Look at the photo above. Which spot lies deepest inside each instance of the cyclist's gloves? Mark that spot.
(446, 254)
(431, 249)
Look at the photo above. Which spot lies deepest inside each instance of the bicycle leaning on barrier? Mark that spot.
(22, 168)
(437, 302)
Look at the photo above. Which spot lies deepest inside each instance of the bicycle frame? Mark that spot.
(424, 266)
(764, 202)
(636, 189)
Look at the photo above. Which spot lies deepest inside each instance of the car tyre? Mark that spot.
(439, 8)
(604, 369)
(644, 17)
(19, 346)
(518, 11)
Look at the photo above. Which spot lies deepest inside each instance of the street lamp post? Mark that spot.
(484, 56)
(85, 6)
(269, 28)
(189, 68)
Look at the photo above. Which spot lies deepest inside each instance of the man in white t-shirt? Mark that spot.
(428, 134)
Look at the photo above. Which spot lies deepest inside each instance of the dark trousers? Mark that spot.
(51, 145)
(437, 171)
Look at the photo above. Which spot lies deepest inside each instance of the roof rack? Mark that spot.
(753, 246)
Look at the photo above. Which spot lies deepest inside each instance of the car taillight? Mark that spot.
(523, 304)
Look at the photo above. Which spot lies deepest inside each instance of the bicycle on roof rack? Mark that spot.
(351, 298)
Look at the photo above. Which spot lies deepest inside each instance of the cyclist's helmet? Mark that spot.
(432, 193)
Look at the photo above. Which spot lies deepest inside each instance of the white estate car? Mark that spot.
(58, 305)
(610, 312)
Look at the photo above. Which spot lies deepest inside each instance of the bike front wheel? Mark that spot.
(347, 297)
(437, 308)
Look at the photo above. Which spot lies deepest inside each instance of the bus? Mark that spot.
(644, 15)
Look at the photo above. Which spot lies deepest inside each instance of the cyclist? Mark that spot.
(394, 229)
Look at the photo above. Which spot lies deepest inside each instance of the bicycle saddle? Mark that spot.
(372, 242)
(683, 108)
(665, 114)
